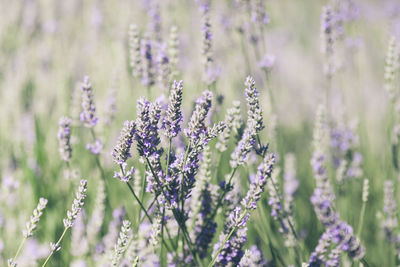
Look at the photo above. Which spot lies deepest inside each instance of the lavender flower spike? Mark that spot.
(197, 125)
(206, 49)
(122, 243)
(148, 116)
(231, 252)
(233, 121)
(390, 221)
(252, 258)
(173, 119)
(32, 224)
(257, 187)
(163, 68)
(239, 155)
(391, 68)
(173, 50)
(148, 75)
(64, 136)
(76, 205)
(96, 147)
(134, 51)
(88, 116)
(124, 175)
(254, 109)
(228, 251)
(121, 151)
(327, 39)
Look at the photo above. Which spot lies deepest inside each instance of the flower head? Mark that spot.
(173, 119)
(64, 136)
(76, 205)
(88, 114)
(121, 151)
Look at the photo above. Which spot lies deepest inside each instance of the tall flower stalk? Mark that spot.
(70, 219)
(31, 226)
(229, 250)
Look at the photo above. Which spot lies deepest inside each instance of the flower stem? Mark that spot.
(141, 205)
(361, 222)
(178, 217)
(56, 246)
(226, 240)
(19, 249)
(221, 198)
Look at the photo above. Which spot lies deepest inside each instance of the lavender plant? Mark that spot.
(70, 219)
(199, 169)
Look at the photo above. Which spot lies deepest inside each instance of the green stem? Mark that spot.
(226, 240)
(56, 246)
(19, 249)
(150, 206)
(169, 152)
(269, 89)
(360, 224)
(299, 255)
(139, 202)
(174, 211)
(246, 56)
(162, 237)
(328, 102)
(364, 262)
(221, 198)
(102, 172)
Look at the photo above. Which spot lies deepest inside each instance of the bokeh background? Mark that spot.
(47, 47)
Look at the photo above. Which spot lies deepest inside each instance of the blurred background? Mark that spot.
(47, 47)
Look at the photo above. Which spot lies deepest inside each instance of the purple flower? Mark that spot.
(267, 62)
(148, 116)
(257, 187)
(96, 147)
(246, 143)
(147, 60)
(121, 151)
(155, 20)
(64, 136)
(123, 174)
(135, 51)
(291, 183)
(197, 125)
(255, 113)
(318, 257)
(202, 204)
(196, 147)
(173, 119)
(252, 257)
(258, 14)
(232, 250)
(88, 116)
(390, 221)
(163, 68)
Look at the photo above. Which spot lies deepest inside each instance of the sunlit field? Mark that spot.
(199, 133)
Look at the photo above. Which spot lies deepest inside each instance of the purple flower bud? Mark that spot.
(197, 125)
(173, 119)
(64, 136)
(96, 147)
(88, 116)
(121, 151)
